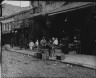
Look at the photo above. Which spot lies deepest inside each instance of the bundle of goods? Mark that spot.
(38, 55)
(44, 54)
(7, 47)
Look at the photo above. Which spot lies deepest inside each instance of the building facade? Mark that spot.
(48, 18)
(39, 8)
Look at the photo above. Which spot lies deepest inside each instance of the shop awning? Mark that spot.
(70, 7)
(5, 32)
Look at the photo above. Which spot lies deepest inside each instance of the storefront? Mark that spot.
(72, 20)
(66, 20)
(7, 24)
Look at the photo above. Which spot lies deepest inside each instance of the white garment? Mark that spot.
(31, 44)
(37, 43)
(31, 48)
(55, 42)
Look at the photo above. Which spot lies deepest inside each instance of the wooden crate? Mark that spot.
(45, 56)
(39, 55)
(60, 57)
(46, 51)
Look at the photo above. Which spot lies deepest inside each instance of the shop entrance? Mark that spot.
(78, 21)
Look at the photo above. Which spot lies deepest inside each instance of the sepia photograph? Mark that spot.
(47, 39)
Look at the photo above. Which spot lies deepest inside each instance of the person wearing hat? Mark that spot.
(43, 42)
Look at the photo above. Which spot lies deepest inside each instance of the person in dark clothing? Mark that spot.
(25, 43)
(21, 39)
(49, 46)
(43, 42)
(12, 39)
(21, 43)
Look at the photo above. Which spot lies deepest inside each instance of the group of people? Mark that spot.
(52, 43)
(44, 44)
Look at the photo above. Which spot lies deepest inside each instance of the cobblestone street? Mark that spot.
(20, 65)
(48, 39)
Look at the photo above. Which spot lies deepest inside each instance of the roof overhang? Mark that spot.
(70, 7)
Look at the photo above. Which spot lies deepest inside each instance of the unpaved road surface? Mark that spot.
(20, 65)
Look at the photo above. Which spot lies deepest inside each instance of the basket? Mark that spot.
(7, 47)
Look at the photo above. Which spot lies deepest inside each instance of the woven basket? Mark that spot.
(7, 47)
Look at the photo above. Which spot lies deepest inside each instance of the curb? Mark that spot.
(72, 63)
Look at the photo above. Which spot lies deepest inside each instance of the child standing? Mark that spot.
(31, 44)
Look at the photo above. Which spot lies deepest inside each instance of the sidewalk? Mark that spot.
(84, 60)
(78, 59)
(28, 52)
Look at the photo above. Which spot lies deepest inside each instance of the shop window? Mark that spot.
(9, 26)
(3, 26)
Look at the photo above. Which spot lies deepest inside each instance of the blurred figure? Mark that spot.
(31, 44)
(37, 44)
(12, 38)
(53, 39)
(21, 39)
(50, 41)
(43, 42)
(25, 43)
(53, 46)
(55, 42)
(49, 46)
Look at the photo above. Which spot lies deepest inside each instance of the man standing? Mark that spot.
(25, 43)
(12, 38)
(21, 39)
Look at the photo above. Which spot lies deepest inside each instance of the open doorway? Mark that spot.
(76, 22)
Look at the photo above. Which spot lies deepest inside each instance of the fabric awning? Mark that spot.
(70, 7)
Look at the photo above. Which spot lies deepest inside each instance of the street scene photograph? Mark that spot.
(47, 39)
